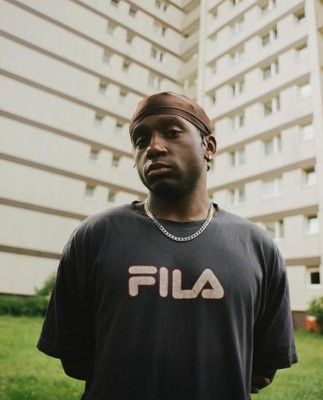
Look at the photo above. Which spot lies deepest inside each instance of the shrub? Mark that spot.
(316, 310)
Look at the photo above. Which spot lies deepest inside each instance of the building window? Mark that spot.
(302, 51)
(212, 97)
(237, 26)
(115, 161)
(235, 2)
(312, 225)
(310, 176)
(272, 106)
(237, 87)
(237, 196)
(273, 145)
(238, 121)
(94, 153)
(111, 196)
(157, 54)
(272, 187)
(314, 276)
(154, 81)
(304, 90)
(129, 37)
(270, 70)
(123, 96)
(267, 6)
(237, 56)
(275, 229)
(111, 26)
(238, 157)
(159, 28)
(306, 133)
(98, 120)
(300, 16)
(103, 87)
(89, 190)
(107, 56)
(114, 3)
(126, 66)
(269, 37)
(161, 5)
(132, 11)
(119, 128)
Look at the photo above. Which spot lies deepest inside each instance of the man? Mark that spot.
(173, 297)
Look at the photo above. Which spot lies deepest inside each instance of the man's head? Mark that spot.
(174, 104)
(172, 144)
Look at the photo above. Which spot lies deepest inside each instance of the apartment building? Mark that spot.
(262, 86)
(71, 73)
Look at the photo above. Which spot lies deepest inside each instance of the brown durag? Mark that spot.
(171, 103)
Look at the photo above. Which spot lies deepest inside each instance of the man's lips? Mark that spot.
(157, 168)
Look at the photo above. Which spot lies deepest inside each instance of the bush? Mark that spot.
(316, 310)
(31, 306)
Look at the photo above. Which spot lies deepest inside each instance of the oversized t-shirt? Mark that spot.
(162, 320)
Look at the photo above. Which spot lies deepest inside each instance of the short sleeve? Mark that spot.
(67, 328)
(274, 346)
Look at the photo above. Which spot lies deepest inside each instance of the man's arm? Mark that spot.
(261, 380)
(77, 369)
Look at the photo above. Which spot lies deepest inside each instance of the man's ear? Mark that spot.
(210, 146)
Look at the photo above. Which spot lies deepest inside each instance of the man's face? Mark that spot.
(169, 155)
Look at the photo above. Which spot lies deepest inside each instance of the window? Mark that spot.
(314, 276)
(161, 5)
(123, 96)
(89, 190)
(302, 51)
(274, 228)
(304, 90)
(273, 145)
(114, 3)
(157, 54)
(212, 97)
(269, 37)
(129, 37)
(154, 81)
(159, 28)
(132, 11)
(119, 128)
(94, 153)
(237, 56)
(270, 70)
(272, 106)
(312, 225)
(98, 120)
(235, 2)
(306, 132)
(103, 86)
(272, 187)
(111, 26)
(238, 121)
(300, 16)
(107, 57)
(237, 87)
(237, 196)
(267, 6)
(111, 196)
(309, 176)
(237, 26)
(125, 66)
(238, 157)
(115, 161)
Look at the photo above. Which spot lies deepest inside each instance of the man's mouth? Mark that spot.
(157, 168)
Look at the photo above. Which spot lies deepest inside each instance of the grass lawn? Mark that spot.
(27, 374)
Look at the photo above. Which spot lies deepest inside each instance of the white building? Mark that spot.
(72, 72)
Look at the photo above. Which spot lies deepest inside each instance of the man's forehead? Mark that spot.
(162, 121)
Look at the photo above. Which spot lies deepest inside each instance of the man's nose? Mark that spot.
(157, 145)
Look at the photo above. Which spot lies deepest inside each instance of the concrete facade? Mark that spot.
(71, 73)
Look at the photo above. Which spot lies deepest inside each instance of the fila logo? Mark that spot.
(148, 276)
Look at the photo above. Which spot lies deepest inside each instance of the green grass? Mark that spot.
(27, 374)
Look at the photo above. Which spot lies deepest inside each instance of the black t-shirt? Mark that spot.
(162, 320)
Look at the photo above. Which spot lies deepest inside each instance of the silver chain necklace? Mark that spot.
(176, 238)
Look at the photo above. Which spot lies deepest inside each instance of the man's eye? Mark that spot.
(173, 133)
(141, 142)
